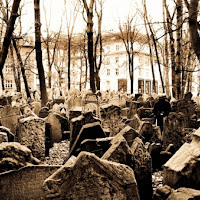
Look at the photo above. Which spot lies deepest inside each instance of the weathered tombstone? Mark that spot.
(31, 132)
(97, 146)
(110, 117)
(142, 169)
(182, 169)
(44, 112)
(155, 150)
(161, 109)
(150, 132)
(184, 193)
(120, 152)
(134, 105)
(14, 155)
(3, 137)
(36, 107)
(11, 136)
(107, 180)
(173, 131)
(134, 123)
(77, 123)
(56, 108)
(59, 124)
(129, 134)
(88, 131)
(9, 117)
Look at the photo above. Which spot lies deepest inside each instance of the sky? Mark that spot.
(113, 11)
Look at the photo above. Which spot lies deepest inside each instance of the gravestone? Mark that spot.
(44, 112)
(173, 130)
(77, 123)
(11, 136)
(129, 134)
(110, 118)
(134, 123)
(59, 124)
(119, 152)
(97, 146)
(134, 105)
(90, 177)
(36, 107)
(88, 131)
(183, 168)
(142, 169)
(3, 137)
(9, 117)
(31, 132)
(14, 156)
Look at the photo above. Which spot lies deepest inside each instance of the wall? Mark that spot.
(26, 183)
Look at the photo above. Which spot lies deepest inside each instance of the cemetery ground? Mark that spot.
(100, 146)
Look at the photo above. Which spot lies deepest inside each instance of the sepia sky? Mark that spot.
(114, 10)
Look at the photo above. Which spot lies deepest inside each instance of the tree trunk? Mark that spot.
(193, 26)
(7, 37)
(166, 54)
(15, 71)
(44, 97)
(49, 61)
(178, 52)
(69, 62)
(172, 50)
(22, 68)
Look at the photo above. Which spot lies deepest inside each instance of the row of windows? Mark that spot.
(9, 84)
(145, 86)
(116, 72)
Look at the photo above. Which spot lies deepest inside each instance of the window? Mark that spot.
(108, 72)
(108, 85)
(141, 86)
(107, 61)
(148, 87)
(141, 59)
(116, 59)
(108, 48)
(140, 70)
(156, 87)
(116, 72)
(9, 69)
(146, 60)
(117, 47)
(8, 83)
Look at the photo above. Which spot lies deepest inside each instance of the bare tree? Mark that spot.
(154, 43)
(38, 49)
(89, 12)
(7, 37)
(98, 41)
(70, 21)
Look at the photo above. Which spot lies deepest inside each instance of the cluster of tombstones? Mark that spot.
(141, 133)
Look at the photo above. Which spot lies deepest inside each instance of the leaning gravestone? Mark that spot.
(9, 117)
(31, 133)
(90, 177)
(183, 168)
(77, 123)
